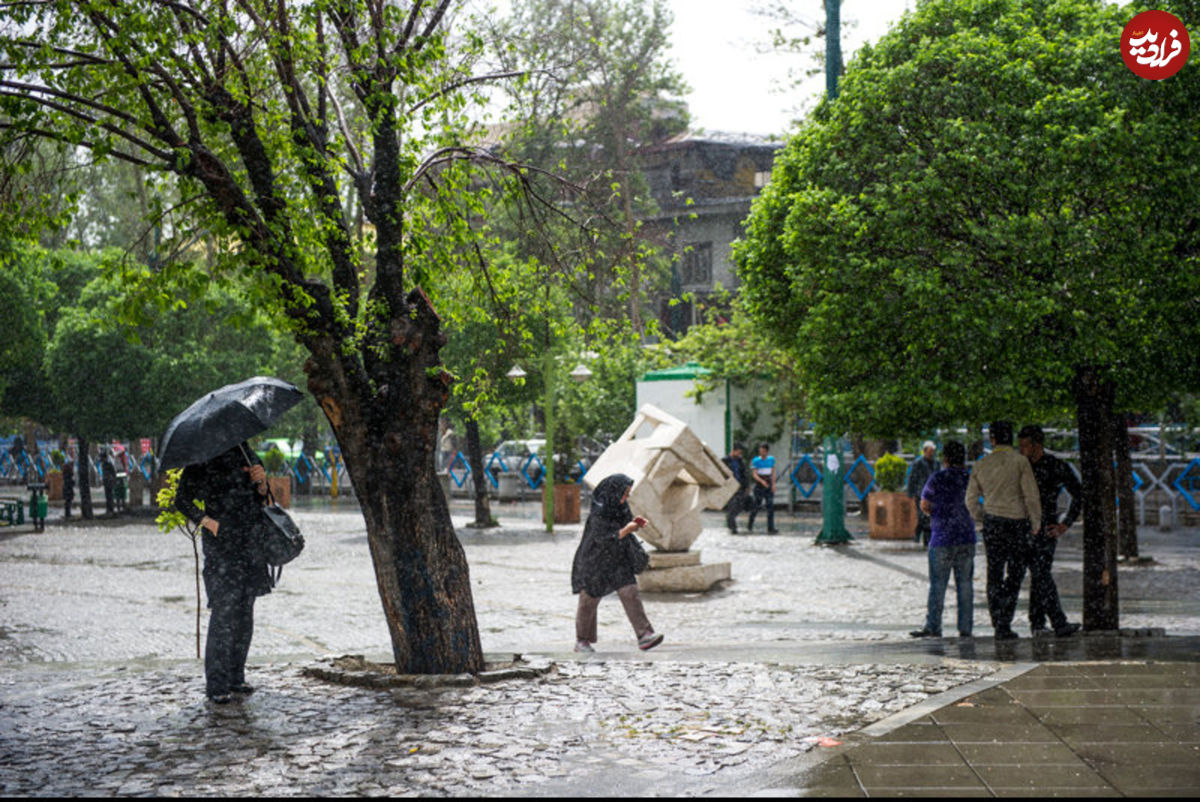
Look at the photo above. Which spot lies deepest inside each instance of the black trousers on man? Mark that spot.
(1043, 593)
(1007, 544)
(738, 504)
(763, 496)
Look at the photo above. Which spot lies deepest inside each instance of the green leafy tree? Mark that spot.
(239, 106)
(597, 86)
(994, 219)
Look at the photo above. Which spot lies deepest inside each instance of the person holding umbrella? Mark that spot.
(222, 490)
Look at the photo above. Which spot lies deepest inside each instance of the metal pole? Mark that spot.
(548, 486)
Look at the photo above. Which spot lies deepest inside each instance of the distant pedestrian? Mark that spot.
(68, 472)
(232, 488)
(952, 542)
(1011, 508)
(448, 446)
(1052, 475)
(762, 471)
(923, 467)
(741, 499)
(108, 477)
(605, 561)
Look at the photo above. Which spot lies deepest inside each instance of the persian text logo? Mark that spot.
(1155, 45)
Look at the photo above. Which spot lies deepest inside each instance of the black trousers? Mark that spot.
(1007, 544)
(763, 495)
(1043, 593)
(230, 628)
(737, 504)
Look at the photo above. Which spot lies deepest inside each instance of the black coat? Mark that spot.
(231, 564)
(603, 561)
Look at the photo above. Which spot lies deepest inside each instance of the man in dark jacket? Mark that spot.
(108, 477)
(1052, 475)
(741, 499)
(923, 467)
(68, 472)
(232, 488)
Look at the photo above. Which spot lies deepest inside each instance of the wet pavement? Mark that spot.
(100, 691)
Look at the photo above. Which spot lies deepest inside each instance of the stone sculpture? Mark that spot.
(675, 475)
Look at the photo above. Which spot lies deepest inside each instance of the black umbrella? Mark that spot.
(224, 418)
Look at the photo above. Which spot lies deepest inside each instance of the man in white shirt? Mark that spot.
(1010, 510)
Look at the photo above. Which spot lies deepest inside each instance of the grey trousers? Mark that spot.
(585, 615)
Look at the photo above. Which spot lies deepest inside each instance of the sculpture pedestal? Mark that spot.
(680, 572)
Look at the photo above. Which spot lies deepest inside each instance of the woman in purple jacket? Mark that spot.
(952, 544)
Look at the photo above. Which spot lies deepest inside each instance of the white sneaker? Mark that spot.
(583, 646)
(649, 640)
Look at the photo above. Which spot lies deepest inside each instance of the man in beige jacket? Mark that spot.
(1010, 510)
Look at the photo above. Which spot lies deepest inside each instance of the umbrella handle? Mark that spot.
(251, 464)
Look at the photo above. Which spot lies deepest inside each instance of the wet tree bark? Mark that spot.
(387, 430)
(1094, 401)
(84, 480)
(483, 508)
(1126, 521)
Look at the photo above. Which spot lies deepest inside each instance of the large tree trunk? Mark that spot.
(1094, 401)
(387, 430)
(483, 508)
(83, 472)
(1126, 521)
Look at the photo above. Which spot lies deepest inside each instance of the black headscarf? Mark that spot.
(602, 562)
(606, 498)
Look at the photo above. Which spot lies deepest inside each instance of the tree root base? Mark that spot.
(356, 671)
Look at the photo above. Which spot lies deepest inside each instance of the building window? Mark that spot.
(761, 178)
(695, 265)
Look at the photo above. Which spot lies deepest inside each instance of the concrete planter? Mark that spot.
(566, 503)
(281, 489)
(54, 484)
(891, 516)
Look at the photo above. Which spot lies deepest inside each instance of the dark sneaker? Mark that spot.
(649, 640)
(924, 633)
(965, 636)
(1067, 631)
(243, 689)
(772, 531)
(220, 698)
(1006, 634)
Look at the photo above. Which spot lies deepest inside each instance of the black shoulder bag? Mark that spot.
(279, 539)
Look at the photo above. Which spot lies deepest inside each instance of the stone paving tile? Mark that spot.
(589, 728)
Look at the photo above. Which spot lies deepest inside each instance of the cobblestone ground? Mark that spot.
(593, 728)
(100, 691)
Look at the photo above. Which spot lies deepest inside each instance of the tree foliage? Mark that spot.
(993, 204)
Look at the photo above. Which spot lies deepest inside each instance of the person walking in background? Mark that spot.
(741, 499)
(448, 447)
(951, 544)
(232, 488)
(1051, 475)
(68, 472)
(605, 561)
(923, 467)
(108, 477)
(762, 471)
(1010, 509)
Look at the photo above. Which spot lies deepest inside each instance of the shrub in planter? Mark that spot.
(889, 473)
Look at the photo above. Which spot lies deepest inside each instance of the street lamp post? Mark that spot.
(579, 374)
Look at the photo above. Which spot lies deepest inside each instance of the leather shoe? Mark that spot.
(220, 698)
(924, 633)
(243, 689)
(1006, 634)
(1067, 631)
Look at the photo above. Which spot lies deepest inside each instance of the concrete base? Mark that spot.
(680, 572)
